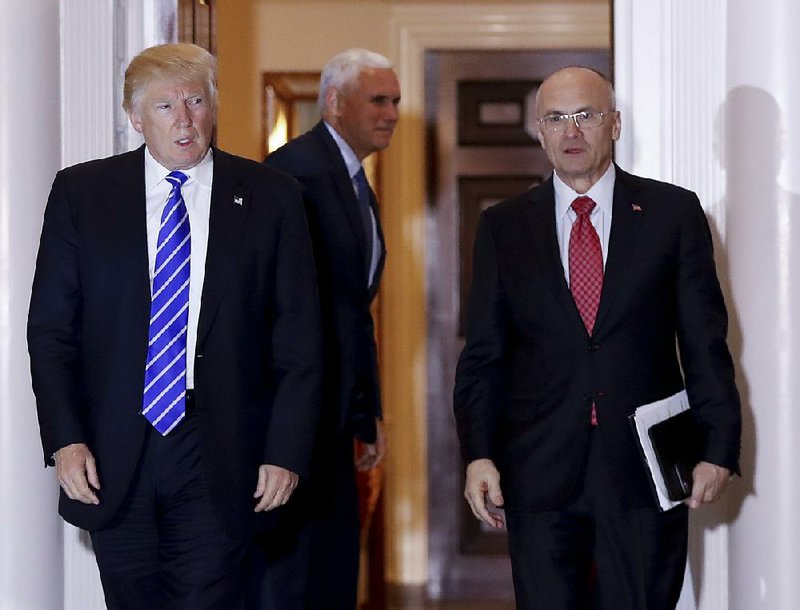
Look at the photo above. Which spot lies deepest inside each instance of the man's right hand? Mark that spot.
(483, 481)
(77, 473)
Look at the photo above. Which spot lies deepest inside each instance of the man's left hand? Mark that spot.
(275, 487)
(372, 454)
(709, 481)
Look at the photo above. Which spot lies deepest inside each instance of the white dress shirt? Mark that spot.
(602, 193)
(196, 193)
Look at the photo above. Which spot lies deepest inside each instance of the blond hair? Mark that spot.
(183, 62)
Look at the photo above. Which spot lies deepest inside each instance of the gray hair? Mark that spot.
(343, 70)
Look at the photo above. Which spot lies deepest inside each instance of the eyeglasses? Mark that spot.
(585, 119)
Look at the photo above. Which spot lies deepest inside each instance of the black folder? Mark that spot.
(678, 445)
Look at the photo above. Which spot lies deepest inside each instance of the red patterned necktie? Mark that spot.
(585, 263)
(585, 267)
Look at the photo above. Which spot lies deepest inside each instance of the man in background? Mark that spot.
(584, 290)
(358, 99)
(173, 337)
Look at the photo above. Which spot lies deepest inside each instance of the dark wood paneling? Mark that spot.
(196, 23)
(494, 112)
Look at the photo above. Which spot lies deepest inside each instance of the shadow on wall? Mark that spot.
(750, 150)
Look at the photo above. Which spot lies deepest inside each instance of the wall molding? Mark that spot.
(670, 80)
(87, 80)
(98, 40)
(87, 29)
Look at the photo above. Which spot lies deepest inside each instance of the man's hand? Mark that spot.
(372, 454)
(274, 488)
(483, 481)
(77, 473)
(709, 481)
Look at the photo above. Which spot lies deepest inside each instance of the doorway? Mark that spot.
(482, 149)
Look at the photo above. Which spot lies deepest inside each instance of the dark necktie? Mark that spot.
(585, 268)
(164, 403)
(364, 211)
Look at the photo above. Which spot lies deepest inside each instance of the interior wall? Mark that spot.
(31, 562)
(255, 36)
(710, 87)
(238, 71)
(760, 156)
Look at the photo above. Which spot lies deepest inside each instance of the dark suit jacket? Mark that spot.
(257, 368)
(529, 371)
(340, 251)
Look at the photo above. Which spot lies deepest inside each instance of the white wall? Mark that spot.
(761, 156)
(31, 565)
(709, 89)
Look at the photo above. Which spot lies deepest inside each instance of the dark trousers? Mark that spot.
(308, 559)
(597, 554)
(165, 548)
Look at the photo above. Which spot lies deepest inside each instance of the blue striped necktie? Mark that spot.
(164, 402)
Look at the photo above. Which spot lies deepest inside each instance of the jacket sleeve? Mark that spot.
(296, 345)
(479, 386)
(54, 326)
(702, 329)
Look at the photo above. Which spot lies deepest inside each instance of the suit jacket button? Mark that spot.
(593, 347)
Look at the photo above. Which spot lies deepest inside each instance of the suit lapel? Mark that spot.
(628, 216)
(230, 204)
(343, 186)
(347, 199)
(127, 199)
(542, 216)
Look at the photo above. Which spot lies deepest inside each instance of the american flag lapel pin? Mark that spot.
(636, 207)
(237, 200)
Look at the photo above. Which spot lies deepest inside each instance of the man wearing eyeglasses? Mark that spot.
(585, 291)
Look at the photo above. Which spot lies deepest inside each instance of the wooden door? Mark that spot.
(196, 23)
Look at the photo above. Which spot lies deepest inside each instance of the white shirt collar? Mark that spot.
(155, 173)
(602, 193)
(350, 158)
